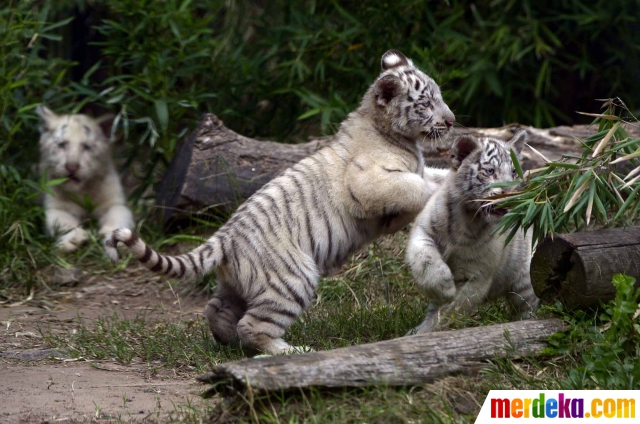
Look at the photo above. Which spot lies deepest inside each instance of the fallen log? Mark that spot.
(215, 166)
(398, 362)
(578, 268)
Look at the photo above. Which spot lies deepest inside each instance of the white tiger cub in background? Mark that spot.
(453, 252)
(306, 222)
(77, 148)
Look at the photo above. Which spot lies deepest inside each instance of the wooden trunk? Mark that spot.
(217, 167)
(578, 268)
(399, 362)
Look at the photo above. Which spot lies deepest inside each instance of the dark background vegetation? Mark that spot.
(285, 70)
(262, 65)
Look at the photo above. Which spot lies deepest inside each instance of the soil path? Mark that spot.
(39, 384)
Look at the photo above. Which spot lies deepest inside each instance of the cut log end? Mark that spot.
(578, 268)
(551, 267)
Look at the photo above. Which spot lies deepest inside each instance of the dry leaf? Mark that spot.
(598, 115)
(538, 153)
(630, 183)
(576, 195)
(605, 140)
(627, 157)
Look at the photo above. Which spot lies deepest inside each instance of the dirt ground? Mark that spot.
(39, 384)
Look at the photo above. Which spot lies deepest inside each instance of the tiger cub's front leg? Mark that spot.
(390, 193)
(432, 274)
(67, 226)
(115, 216)
(429, 269)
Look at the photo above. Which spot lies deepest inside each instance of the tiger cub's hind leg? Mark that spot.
(223, 312)
(268, 317)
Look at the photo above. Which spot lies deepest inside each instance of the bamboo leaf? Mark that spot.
(592, 193)
(632, 173)
(627, 157)
(538, 153)
(621, 145)
(57, 24)
(309, 113)
(601, 116)
(512, 234)
(627, 203)
(516, 164)
(600, 207)
(162, 111)
(532, 211)
(576, 195)
(504, 184)
(605, 140)
(630, 183)
(564, 165)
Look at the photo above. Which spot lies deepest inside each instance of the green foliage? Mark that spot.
(285, 70)
(21, 236)
(26, 77)
(610, 351)
(281, 68)
(158, 62)
(584, 190)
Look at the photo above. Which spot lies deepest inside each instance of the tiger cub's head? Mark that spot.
(74, 146)
(480, 162)
(409, 101)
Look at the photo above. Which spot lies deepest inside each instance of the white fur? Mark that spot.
(307, 221)
(434, 178)
(391, 59)
(453, 252)
(94, 189)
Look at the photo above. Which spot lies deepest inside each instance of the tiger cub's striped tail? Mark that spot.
(199, 261)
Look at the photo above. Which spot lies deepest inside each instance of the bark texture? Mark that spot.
(399, 362)
(578, 268)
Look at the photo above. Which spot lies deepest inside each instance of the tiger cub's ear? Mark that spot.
(462, 147)
(105, 122)
(393, 59)
(386, 89)
(517, 141)
(48, 119)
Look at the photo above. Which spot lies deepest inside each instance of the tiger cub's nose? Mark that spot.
(72, 167)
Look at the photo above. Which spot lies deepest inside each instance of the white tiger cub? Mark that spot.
(76, 147)
(453, 252)
(306, 222)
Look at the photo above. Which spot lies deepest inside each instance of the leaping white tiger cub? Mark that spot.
(307, 221)
(453, 252)
(77, 147)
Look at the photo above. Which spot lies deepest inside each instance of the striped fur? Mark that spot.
(453, 252)
(306, 222)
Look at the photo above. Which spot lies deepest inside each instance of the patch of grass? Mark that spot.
(373, 298)
(181, 345)
(371, 405)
